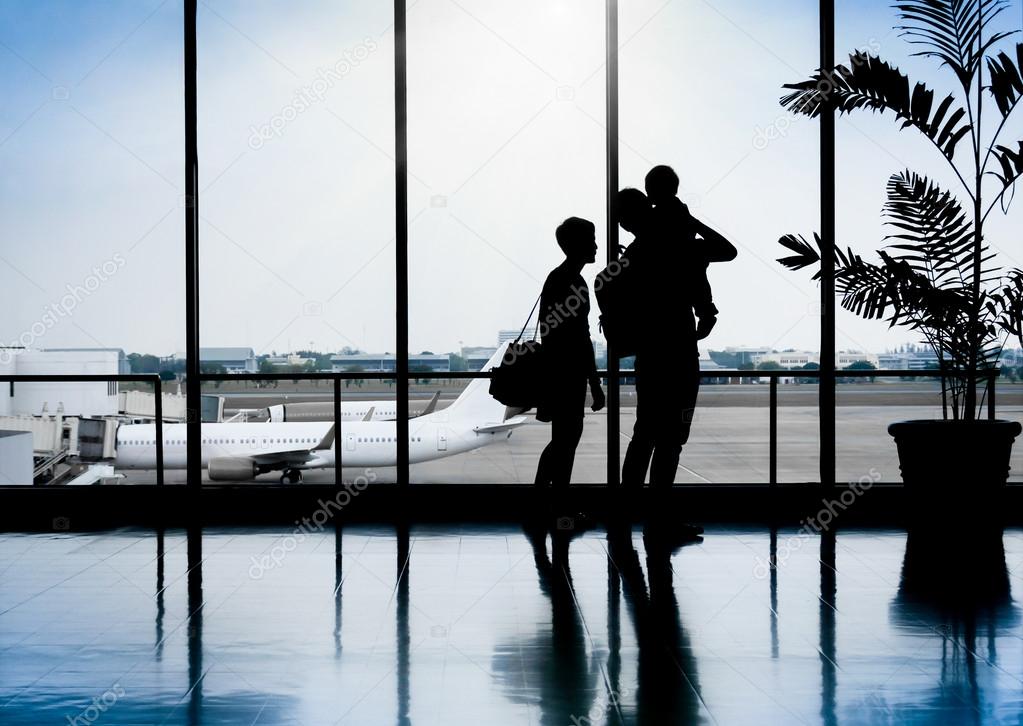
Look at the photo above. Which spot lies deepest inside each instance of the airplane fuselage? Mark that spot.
(363, 443)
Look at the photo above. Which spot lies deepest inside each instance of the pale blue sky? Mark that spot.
(506, 138)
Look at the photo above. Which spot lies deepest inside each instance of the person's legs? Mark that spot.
(641, 446)
(544, 466)
(675, 420)
(566, 431)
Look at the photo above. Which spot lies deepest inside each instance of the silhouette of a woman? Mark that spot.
(568, 352)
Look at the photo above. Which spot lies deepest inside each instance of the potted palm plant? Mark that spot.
(935, 274)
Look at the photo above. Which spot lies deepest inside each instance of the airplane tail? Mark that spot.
(475, 404)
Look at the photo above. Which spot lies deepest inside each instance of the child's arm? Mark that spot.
(715, 247)
(703, 305)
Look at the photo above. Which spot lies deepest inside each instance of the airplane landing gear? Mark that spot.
(291, 476)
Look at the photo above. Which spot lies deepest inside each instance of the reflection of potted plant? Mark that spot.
(936, 274)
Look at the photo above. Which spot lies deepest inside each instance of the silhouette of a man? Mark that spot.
(568, 353)
(668, 261)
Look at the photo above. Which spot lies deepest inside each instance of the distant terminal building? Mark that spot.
(1011, 358)
(845, 358)
(507, 336)
(477, 356)
(747, 355)
(800, 358)
(74, 398)
(288, 360)
(386, 362)
(788, 359)
(908, 361)
(233, 360)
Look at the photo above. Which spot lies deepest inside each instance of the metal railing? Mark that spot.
(773, 376)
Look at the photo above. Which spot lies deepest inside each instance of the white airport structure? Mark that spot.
(476, 356)
(386, 363)
(70, 397)
(232, 360)
(16, 460)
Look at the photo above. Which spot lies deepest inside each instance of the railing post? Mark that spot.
(773, 418)
(337, 434)
(158, 415)
(991, 376)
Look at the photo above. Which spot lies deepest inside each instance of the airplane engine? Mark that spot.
(232, 468)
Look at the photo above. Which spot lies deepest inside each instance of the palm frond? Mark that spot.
(871, 83)
(938, 237)
(868, 290)
(1010, 162)
(1006, 86)
(952, 31)
(809, 255)
(1010, 316)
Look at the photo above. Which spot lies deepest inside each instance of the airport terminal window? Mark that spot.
(297, 217)
(870, 149)
(749, 170)
(499, 154)
(297, 211)
(91, 139)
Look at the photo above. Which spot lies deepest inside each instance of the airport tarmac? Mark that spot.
(900, 393)
(729, 444)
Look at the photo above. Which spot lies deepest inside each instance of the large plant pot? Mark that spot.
(954, 470)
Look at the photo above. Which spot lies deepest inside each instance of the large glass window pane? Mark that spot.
(871, 148)
(506, 140)
(91, 139)
(296, 146)
(700, 85)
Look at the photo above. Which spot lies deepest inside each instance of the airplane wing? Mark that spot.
(297, 456)
(508, 425)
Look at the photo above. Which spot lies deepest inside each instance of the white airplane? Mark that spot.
(350, 410)
(241, 451)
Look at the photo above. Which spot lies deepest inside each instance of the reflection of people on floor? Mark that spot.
(667, 685)
(552, 668)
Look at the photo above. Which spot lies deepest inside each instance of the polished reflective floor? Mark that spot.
(505, 625)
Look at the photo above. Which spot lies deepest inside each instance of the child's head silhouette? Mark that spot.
(577, 238)
(661, 183)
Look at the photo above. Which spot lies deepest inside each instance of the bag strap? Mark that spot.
(526, 324)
